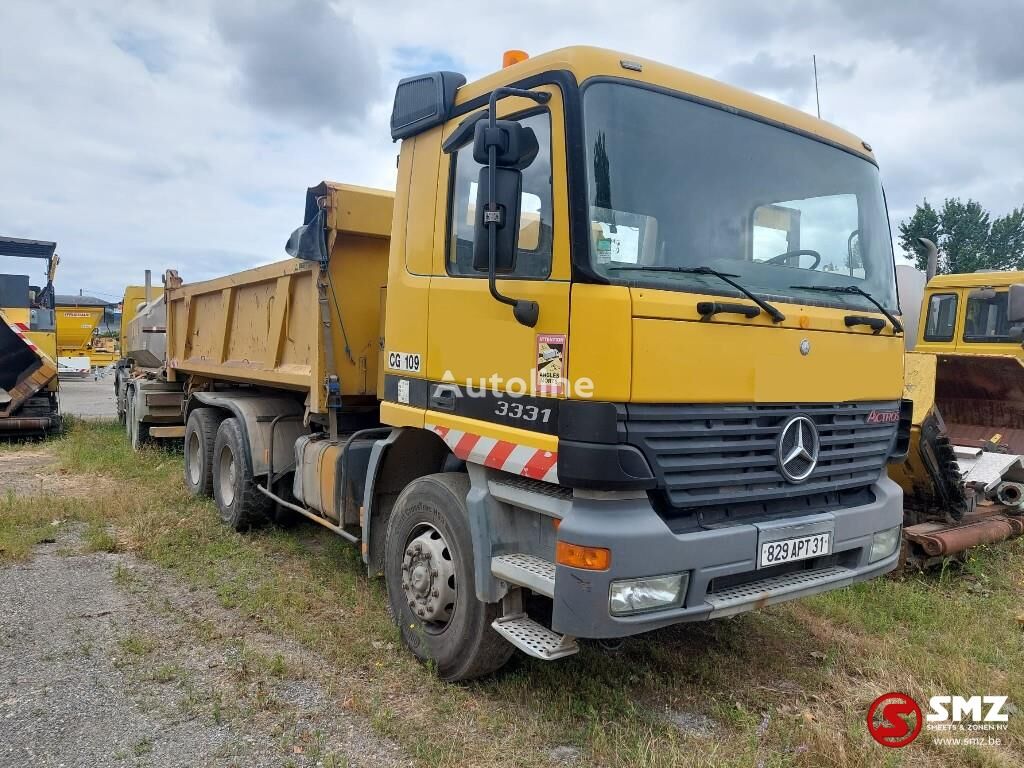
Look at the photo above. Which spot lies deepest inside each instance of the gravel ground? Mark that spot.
(89, 398)
(108, 661)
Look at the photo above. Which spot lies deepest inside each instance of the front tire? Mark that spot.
(240, 505)
(200, 436)
(429, 573)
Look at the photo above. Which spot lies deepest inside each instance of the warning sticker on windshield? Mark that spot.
(549, 378)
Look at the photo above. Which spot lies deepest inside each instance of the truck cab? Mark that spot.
(706, 389)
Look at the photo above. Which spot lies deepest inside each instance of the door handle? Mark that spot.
(442, 398)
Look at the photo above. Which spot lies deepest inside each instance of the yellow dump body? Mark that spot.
(263, 326)
(75, 328)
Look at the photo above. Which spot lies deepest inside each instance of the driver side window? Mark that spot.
(818, 233)
(533, 256)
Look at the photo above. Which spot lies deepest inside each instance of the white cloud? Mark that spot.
(154, 134)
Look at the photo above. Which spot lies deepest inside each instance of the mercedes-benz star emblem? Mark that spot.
(797, 452)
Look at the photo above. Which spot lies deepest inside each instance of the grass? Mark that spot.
(787, 686)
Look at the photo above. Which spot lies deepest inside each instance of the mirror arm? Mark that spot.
(526, 312)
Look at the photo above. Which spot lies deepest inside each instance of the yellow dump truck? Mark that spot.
(621, 350)
(29, 403)
(148, 405)
(964, 476)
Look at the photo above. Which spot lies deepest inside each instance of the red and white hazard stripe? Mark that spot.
(21, 329)
(518, 459)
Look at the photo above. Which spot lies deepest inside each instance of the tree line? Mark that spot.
(968, 237)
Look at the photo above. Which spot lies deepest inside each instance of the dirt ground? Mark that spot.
(33, 471)
(107, 661)
(89, 398)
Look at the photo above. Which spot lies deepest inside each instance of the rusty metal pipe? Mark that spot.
(953, 540)
(1009, 493)
(16, 425)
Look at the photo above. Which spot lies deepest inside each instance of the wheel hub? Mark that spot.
(193, 459)
(227, 477)
(428, 576)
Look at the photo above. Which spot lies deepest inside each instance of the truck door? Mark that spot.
(474, 340)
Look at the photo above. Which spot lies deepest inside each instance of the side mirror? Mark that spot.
(515, 145)
(504, 147)
(1015, 304)
(508, 191)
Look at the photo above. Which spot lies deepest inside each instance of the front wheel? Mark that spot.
(431, 587)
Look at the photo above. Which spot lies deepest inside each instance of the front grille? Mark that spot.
(709, 457)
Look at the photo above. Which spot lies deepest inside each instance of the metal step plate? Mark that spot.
(773, 589)
(534, 573)
(534, 639)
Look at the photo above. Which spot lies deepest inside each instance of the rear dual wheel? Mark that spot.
(200, 436)
(239, 502)
(138, 432)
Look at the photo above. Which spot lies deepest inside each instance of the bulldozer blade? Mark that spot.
(24, 369)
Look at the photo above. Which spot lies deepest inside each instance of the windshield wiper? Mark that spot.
(772, 312)
(858, 291)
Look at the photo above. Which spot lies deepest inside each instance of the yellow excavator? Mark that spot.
(963, 480)
(29, 403)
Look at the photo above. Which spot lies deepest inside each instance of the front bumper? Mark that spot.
(722, 562)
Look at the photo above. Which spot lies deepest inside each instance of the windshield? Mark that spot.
(674, 183)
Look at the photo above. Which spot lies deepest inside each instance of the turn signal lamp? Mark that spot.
(508, 58)
(587, 558)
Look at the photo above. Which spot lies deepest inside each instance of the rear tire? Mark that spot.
(240, 504)
(138, 433)
(429, 563)
(200, 436)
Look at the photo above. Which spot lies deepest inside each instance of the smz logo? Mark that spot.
(883, 417)
(895, 719)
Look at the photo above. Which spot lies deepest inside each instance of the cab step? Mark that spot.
(533, 638)
(534, 573)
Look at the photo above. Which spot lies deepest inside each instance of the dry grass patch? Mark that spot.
(788, 686)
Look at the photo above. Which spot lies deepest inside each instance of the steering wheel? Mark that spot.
(802, 252)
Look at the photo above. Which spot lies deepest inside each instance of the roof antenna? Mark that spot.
(817, 98)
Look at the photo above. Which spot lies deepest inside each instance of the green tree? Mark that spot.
(967, 236)
(1006, 241)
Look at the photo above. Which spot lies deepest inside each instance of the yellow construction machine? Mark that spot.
(963, 479)
(78, 325)
(29, 402)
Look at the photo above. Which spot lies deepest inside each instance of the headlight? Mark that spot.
(628, 596)
(884, 543)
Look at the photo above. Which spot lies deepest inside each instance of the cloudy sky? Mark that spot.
(183, 133)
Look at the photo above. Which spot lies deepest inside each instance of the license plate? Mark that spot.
(800, 548)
